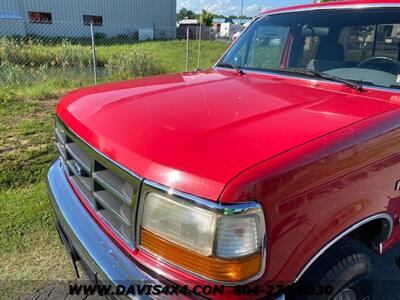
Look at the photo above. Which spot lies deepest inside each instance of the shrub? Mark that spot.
(12, 74)
(132, 64)
(33, 53)
(8, 49)
(70, 55)
(101, 38)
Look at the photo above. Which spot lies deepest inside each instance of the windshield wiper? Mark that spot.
(308, 72)
(232, 66)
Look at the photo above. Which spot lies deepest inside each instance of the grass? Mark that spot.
(37, 71)
(26, 142)
(30, 251)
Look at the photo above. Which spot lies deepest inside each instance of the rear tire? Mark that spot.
(342, 273)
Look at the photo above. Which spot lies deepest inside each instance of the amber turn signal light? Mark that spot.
(209, 267)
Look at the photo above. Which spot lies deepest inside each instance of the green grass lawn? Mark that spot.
(30, 251)
(37, 72)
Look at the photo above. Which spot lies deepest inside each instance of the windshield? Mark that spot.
(362, 45)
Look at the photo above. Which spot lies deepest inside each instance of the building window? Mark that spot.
(39, 17)
(95, 20)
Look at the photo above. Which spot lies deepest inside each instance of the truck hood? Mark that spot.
(195, 132)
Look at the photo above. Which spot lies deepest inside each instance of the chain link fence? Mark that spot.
(58, 56)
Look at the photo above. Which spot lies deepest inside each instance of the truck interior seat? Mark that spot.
(330, 55)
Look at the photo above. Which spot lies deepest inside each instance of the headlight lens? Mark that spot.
(221, 243)
(238, 236)
(185, 225)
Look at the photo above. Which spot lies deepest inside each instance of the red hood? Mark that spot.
(195, 132)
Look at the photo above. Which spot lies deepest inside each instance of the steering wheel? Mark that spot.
(381, 63)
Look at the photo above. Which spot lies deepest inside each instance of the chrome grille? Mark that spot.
(110, 190)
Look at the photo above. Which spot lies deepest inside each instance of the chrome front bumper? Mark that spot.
(104, 259)
(92, 245)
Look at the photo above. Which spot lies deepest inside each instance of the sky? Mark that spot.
(232, 7)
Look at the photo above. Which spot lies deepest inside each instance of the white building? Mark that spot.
(72, 18)
(227, 30)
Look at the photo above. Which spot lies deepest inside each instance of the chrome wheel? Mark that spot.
(346, 294)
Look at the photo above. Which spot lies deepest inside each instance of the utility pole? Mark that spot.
(241, 14)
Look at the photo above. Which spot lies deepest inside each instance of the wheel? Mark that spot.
(342, 273)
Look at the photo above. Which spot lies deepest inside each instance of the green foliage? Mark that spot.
(69, 55)
(185, 14)
(132, 64)
(206, 18)
(34, 214)
(71, 66)
(238, 17)
(30, 251)
(35, 54)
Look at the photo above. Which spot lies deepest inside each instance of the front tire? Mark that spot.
(342, 273)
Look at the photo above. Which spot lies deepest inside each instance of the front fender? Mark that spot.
(314, 194)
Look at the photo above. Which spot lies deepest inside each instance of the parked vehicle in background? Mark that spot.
(275, 173)
(227, 30)
(237, 34)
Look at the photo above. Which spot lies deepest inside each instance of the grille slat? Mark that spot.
(123, 231)
(85, 181)
(80, 156)
(115, 185)
(62, 150)
(83, 191)
(118, 209)
(110, 190)
(61, 137)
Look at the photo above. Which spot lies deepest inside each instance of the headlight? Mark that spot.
(219, 243)
(190, 227)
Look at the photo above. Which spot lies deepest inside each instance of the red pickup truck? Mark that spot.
(276, 173)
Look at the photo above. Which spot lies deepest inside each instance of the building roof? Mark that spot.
(222, 20)
(189, 22)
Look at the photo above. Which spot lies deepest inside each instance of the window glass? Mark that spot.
(267, 47)
(358, 42)
(311, 44)
(39, 17)
(263, 50)
(312, 39)
(362, 45)
(388, 41)
(95, 20)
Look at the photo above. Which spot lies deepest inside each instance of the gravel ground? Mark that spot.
(387, 277)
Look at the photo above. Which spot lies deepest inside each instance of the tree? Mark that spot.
(206, 18)
(185, 14)
(218, 16)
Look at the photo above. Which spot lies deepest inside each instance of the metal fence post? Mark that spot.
(94, 54)
(187, 48)
(199, 49)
